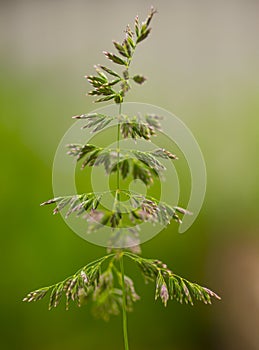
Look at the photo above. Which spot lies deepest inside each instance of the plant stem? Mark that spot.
(124, 311)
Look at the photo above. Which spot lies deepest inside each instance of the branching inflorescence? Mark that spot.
(103, 281)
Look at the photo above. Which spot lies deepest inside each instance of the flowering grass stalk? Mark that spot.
(104, 281)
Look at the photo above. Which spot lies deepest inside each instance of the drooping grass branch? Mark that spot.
(103, 281)
(97, 281)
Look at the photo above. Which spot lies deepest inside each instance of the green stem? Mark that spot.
(124, 311)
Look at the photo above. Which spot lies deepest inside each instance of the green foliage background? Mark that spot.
(201, 64)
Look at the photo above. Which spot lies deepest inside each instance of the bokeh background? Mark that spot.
(202, 65)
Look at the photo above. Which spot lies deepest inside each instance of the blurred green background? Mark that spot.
(202, 65)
